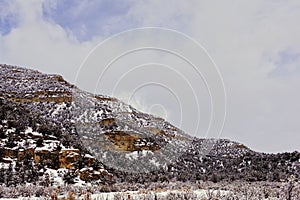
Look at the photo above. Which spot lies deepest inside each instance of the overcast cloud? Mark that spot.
(256, 45)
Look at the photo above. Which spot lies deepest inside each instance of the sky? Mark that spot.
(255, 45)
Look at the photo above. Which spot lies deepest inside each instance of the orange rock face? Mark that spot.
(67, 157)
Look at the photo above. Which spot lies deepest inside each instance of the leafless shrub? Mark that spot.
(177, 190)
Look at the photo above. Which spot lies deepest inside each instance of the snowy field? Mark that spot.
(143, 195)
(160, 191)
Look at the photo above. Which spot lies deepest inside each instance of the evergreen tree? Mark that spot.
(9, 176)
(2, 175)
(69, 177)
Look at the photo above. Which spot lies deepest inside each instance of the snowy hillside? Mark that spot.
(53, 133)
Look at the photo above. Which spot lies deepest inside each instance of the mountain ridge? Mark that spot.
(75, 129)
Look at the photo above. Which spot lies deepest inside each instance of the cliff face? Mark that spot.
(56, 125)
(49, 124)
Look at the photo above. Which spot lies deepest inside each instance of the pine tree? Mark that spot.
(9, 176)
(2, 175)
(69, 177)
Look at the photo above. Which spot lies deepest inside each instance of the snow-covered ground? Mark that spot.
(135, 195)
(197, 194)
(159, 191)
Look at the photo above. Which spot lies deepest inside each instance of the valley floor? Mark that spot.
(158, 191)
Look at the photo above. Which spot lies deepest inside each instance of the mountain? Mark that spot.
(53, 133)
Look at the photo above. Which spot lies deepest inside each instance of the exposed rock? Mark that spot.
(47, 121)
(67, 157)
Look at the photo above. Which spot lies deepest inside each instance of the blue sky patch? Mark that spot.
(86, 19)
(287, 64)
(287, 57)
(8, 20)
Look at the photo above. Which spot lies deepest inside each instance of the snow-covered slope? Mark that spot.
(53, 125)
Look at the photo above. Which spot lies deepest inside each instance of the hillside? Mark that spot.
(53, 133)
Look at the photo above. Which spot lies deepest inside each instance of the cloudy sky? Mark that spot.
(255, 45)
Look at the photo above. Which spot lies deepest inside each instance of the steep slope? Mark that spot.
(49, 124)
(97, 121)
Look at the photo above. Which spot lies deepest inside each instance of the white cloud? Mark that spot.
(40, 44)
(244, 38)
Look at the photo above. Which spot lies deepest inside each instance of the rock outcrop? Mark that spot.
(47, 124)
